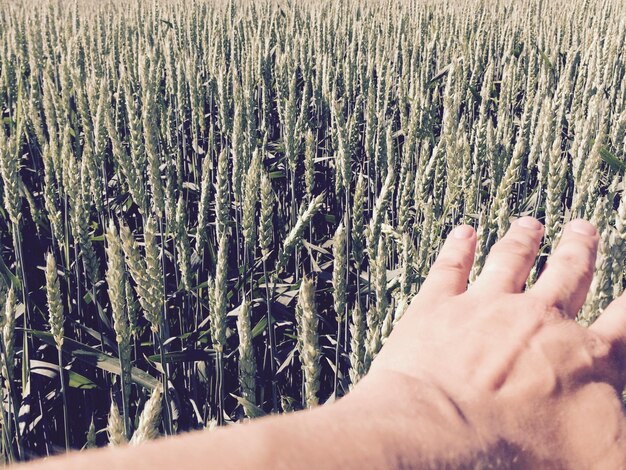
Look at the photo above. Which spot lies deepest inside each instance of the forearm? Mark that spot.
(342, 435)
(326, 437)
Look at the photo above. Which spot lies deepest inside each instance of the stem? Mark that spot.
(336, 379)
(219, 365)
(125, 404)
(12, 399)
(237, 236)
(17, 242)
(6, 431)
(63, 394)
(347, 255)
(160, 336)
(100, 327)
(270, 332)
(165, 379)
(79, 294)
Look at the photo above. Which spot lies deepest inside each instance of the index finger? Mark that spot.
(449, 273)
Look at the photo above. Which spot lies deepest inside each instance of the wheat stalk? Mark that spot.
(115, 427)
(308, 340)
(150, 418)
(247, 361)
(116, 281)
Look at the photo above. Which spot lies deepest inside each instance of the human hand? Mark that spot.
(509, 376)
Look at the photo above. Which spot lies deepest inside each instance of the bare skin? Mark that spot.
(485, 377)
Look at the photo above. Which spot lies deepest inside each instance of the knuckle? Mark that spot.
(612, 352)
(599, 347)
(573, 259)
(513, 246)
(554, 312)
(545, 311)
(608, 358)
(450, 264)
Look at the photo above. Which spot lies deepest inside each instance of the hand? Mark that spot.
(509, 373)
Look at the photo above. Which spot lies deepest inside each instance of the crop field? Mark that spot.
(216, 210)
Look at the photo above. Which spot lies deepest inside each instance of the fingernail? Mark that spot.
(464, 231)
(582, 226)
(529, 222)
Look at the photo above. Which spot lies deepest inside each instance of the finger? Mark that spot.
(567, 276)
(510, 260)
(611, 326)
(449, 273)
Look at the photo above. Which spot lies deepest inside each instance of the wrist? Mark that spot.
(418, 424)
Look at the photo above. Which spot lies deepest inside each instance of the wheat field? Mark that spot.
(216, 210)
